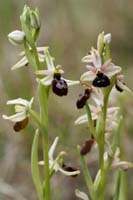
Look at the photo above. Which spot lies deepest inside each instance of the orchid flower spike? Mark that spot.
(21, 116)
(57, 163)
(98, 74)
(52, 76)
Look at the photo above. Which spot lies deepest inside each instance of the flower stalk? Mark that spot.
(43, 96)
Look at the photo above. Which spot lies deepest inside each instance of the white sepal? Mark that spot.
(15, 118)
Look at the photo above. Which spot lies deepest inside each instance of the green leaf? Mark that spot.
(90, 121)
(117, 187)
(120, 192)
(35, 167)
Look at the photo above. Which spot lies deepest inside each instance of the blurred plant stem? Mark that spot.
(43, 96)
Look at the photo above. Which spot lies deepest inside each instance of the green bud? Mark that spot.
(34, 20)
(26, 15)
(100, 43)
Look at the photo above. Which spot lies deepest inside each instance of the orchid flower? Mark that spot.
(98, 73)
(51, 71)
(57, 164)
(21, 115)
(120, 85)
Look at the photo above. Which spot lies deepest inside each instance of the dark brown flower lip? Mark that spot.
(59, 86)
(86, 147)
(69, 169)
(101, 80)
(118, 88)
(83, 98)
(18, 126)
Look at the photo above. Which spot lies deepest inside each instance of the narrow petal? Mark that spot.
(39, 49)
(41, 57)
(88, 76)
(49, 60)
(42, 49)
(71, 82)
(81, 195)
(124, 165)
(15, 118)
(52, 148)
(66, 173)
(112, 70)
(23, 62)
(87, 59)
(96, 58)
(18, 101)
(47, 80)
(112, 110)
(31, 102)
(82, 119)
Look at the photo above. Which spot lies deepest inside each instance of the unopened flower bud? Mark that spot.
(35, 22)
(107, 38)
(16, 37)
(100, 42)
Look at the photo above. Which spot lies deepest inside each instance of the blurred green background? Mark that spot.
(70, 28)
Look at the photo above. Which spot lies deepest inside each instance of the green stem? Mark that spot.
(36, 57)
(100, 131)
(35, 167)
(35, 116)
(87, 176)
(91, 125)
(43, 96)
